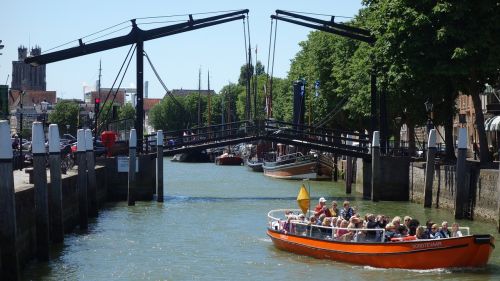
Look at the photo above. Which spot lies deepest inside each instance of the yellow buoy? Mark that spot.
(303, 199)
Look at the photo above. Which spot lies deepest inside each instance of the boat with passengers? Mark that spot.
(292, 234)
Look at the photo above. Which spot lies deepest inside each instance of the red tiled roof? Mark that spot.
(149, 103)
(31, 97)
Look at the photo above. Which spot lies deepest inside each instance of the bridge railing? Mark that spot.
(341, 139)
(194, 136)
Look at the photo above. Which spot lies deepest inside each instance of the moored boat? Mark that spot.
(293, 166)
(320, 242)
(228, 159)
(255, 165)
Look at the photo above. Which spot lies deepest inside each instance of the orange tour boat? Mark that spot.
(295, 234)
(320, 242)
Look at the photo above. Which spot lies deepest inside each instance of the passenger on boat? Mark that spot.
(321, 208)
(445, 232)
(421, 233)
(406, 221)
(435, 234)
(321, 218)
(335, 209)
(288, 226)
(301, 225)
(372, 223)
(412, 226)
(311, 227)
(347, 212)
(454, 230)
(428, 230)
(341, 232)
(390, 231)
(396, 221)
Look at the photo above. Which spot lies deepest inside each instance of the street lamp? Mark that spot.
(67, 128)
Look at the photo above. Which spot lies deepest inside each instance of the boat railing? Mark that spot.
(305, 228)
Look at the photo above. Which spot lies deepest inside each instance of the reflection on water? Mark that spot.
(212, 227)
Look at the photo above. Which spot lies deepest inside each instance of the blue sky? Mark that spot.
(219, 49)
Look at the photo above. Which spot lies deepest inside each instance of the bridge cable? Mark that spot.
(117, 89)
(268, 103)
(332, 113)
(166, 89)
(272, 69)
(116, 78)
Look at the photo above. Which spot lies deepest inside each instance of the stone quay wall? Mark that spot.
(109, 182)
(485, 189)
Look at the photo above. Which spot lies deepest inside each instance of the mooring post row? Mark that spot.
(8, 230)
(55, 208)
(159, 166)
(41, 191)
(81, 148)
(429, 168)
(376, 172)
(91, 176)
(131, 168)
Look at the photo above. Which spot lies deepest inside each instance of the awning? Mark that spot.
(492, 124)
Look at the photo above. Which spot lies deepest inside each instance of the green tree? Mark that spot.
(126, 112)
(65, 113)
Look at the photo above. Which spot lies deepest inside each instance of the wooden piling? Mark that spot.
(461, 198)
(376, 172)
(8, 229)
(41, 191)
(348, 170)
(131, 167)
(429, 168)
(81, 180)
(91, 177)
(159, 166)
(335, 168)
(55, 207)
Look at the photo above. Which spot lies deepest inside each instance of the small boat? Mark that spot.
(468, 251)
(228, 159)
(294, 166)
(193, 157)
(255, 165)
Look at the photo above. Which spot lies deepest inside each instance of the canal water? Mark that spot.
(212, 227)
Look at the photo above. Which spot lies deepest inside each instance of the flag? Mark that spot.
(303, 199)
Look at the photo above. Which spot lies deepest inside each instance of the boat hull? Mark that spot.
(229, 160)
(304, 170)
(254, 166)
(460, 252)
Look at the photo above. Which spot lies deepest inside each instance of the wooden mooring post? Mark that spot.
(131, 167)
(461, 192)
(81, 180)
(91, 177)
(429, 168)
(159, 166)
(376, 172)
(8, 228)
(41, 191)
(55, 207)
(348, 170)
